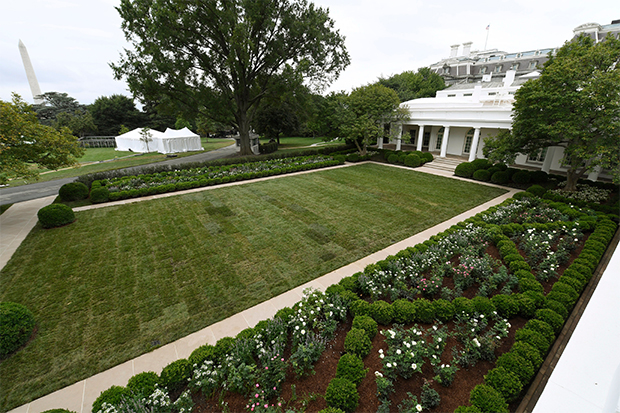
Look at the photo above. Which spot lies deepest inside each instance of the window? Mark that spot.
(439, 139)
(515, 66)
(451, 96)
(492, 93)
(467, 94)
(483, 69)
(533, 64)
(469, 137)
(498, 68)
(538, 156)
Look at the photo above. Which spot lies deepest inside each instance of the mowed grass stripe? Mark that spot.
(121, 278)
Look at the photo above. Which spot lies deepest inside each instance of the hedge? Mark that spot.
(16, 326)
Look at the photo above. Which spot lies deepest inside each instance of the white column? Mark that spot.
(420, 138)
(444, 142)
(380, 142)
(546, 167)
(399, 135)
(473, 150)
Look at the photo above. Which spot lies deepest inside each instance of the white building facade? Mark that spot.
(458, 120)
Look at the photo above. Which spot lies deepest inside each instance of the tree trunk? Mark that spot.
(244, 135)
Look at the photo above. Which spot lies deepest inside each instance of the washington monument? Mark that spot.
(32, 78)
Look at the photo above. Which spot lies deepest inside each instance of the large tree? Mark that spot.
(414, 85)
(369, 110)
(26, 143)
(111, 112)
(574, 104)
(220, 58)
(55, 103)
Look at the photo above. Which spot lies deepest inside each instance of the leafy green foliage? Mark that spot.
(411, 85)
(143, 383)
(342, 394)
(367, 324)
(487, 399)
(357, 342)
(73, 191)
(114, 395)
(55, 215)
(351, 367)
(16, 325)
(505, 382)
(175, 375)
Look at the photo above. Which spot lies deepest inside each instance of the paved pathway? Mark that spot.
(80, 396)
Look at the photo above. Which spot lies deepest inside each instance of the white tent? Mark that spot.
(171, 141)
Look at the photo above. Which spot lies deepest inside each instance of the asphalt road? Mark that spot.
(43, 189)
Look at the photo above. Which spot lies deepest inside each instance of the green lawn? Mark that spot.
(301, 142)
(100, 154)
(105, 287)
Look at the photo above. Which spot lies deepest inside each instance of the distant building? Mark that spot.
(479, 103)
(465, 65)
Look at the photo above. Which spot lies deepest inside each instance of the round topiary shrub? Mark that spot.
(342, 394)
(557, 307)
(113, 396)
(462, 305)
(500, 177)
(483, 305)
(412, 160)
(143, 383)
(527, 352)
(175, 375)
(539, 177)
(427, 157)
(59, 411)
(527, 306)
(541, 327)
(444, 310)
(351, 367)
(505, 382)
(535, 339)
(482, 175)
(201, 354)
(506, 305)
(481, 163)
(382, 312)
(404, 311)
(511, 172)
(359, 307)
(331, 410)
(353, 157)
(16, 327)
(73, 191)
(55, 215)
(552, 318)
(99, 195)
(393, 159)
(424, 310)
(464, 170)
(487, 399)
(518, 365)
(521, 177)
(537, 190)
(357, 342)
(367, 324)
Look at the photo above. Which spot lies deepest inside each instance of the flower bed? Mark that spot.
(113, 189)
(465, 318)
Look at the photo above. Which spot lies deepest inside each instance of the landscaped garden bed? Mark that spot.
(460, 322)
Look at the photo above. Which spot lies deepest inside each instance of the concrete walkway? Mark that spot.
(80, 396)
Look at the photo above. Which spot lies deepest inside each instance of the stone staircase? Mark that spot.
(445, 164)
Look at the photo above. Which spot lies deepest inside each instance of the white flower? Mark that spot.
(296, 327)
(398, 351)
(408, 345)
(381, 355)
(419, 407)
(378, 374)
(413, 343)
(414, 366)
(381, 350)
(439, 339)
(389, 365)
(303, 331)
(476, 342)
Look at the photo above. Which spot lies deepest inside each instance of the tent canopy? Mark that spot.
(171, 141)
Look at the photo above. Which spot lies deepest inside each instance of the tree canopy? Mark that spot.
(222, 57)
(574, 104)
(110, 112)
(414, 85)
(25, 142)
(368, 109)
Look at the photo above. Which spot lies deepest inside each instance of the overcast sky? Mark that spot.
(71, 42)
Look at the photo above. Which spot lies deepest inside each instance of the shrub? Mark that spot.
(201, 354)
(444, 310)
(527, 306)
(561, 298)
(535, 339)
(55, 215)
(528, 353)
(521, 177)
(462, 305)
(114, 395)
(342, 394)
(245, 333)
(351, 367)
(413, 160)
(511, 172)
(16, 326)
(558, 308)
(565, 288)
(541, 327)
(424, 310)
(73, 191)
(427, 156)
(552, 318)
(500, 177)
(359, 307)
(429, 397)
(357, 342)
(464, 170)
(382, 312)
(99, 195)
(480, 164)
(506, 305)
(539, 177)
(367, 324)
(353, 157)
(58, 411)
(143, 383)
(393, 159)
(223, 346)
(467, 409)
(404, 311)
(331, 410)
(487, 399)
(536, 190)
(530, 285)
(284, 314)
(505, 382)
(482, 175)
(483, 305)
(175, 375)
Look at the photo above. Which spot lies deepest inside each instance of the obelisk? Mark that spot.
(32, 78)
